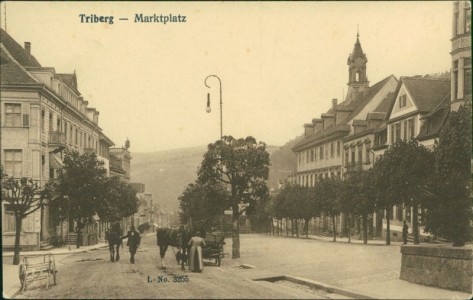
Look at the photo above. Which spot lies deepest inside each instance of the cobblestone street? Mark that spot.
(92, 275)
(350, 269)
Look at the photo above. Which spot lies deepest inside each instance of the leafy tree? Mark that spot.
(347, 200)
(279, 204)
(243, 164)
(326, 192)
(23, 197)
(118, 200)
(449, 211)
(364, 197)
(402, 177)
(203, 202)
(309, 207)
(80, 188)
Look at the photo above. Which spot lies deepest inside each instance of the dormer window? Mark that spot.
(402, 101)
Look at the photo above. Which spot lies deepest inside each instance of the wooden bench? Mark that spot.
(30, 272)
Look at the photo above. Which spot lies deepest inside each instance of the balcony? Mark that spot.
(57, 138)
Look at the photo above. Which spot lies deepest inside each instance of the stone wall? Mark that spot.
(438, 265)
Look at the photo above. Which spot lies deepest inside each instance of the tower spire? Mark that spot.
(357, 60)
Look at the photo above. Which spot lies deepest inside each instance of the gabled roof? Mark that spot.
(360, 103)
(69, 79)
(19, 53)
(435, 120)
(343, 127)
(427, 93)
(386, 105)
(376, 116)
(11, 72)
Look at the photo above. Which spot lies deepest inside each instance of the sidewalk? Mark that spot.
(375, 285)
(352, 240)
(401, 289)
(11, 282)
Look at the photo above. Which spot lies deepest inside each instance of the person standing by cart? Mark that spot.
(133, 242)
(196, 262)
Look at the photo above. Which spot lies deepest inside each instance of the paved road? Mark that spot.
(340, 263)
(92, 275)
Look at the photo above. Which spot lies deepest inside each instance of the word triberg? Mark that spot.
(96, 19)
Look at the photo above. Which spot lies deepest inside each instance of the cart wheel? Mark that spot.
(54, 273)
(22, 276)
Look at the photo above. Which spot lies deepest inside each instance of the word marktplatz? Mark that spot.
(159, 18)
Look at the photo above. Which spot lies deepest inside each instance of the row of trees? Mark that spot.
(409, 175)
(81, 191)
(330, 197)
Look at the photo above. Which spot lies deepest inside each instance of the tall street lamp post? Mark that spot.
(208, 110)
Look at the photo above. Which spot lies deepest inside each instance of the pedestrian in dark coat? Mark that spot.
(133, 242)
(405, 230)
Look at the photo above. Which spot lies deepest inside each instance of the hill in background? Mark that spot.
(167, 173)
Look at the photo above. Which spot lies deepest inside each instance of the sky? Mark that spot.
(280, 63)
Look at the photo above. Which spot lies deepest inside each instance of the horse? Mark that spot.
(178, 238)
(114, 238)
(168, 237)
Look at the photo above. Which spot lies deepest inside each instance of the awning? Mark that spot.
(55, 161)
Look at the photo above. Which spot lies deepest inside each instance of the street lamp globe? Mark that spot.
(208, 109)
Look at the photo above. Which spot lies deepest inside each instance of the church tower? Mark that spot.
(357, 79)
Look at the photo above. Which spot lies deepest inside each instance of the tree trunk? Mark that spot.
(334, 229)
(348, 227)
(415, 222)
(16, 254)
(279, 225)
(297, 228)
(292, 227)
(388, 228)
(379, 224)
(287, 229)
(236, 236)
(365, 228)
(79, 233)
(307, 228)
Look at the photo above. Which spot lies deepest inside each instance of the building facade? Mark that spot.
(323, 152)
(42, 114)
(461, 54)
(419, 109)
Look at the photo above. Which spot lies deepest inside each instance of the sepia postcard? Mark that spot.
(240, 150)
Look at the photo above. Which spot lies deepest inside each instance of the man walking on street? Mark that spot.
(133, 242)
(405, 230)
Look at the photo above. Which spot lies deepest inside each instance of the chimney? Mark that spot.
(334, 103)
(28, 47)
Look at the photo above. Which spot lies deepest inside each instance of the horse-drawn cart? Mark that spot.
(214, 247)
(29, 272)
